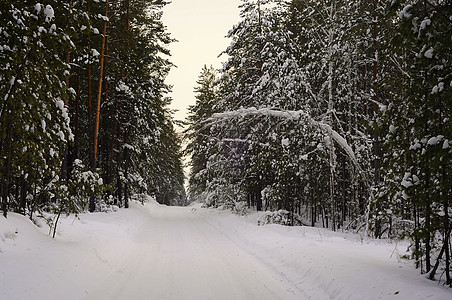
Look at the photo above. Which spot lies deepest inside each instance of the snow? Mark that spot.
(429, 53)
(122, 87)
(159, 252)
(292, 115)
(43, 125)
(285, 142)
(72, 91)
(60, 134)
(38, 8)
(52, 28)
(404, 13)
(60, 104)
(41, 29)
(104, 18)
(438, 88)
(435, 140)
(432, 141)
(416, 145)
(95, 53)
(425, 23)
(49, 13)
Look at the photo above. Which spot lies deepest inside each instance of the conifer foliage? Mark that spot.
(337, 115)
(83, 110)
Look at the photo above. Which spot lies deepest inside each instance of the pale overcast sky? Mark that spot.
(200, 27)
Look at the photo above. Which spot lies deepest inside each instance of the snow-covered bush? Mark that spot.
(72, 195)
(240, 208)
(281, 217)
(142, 198)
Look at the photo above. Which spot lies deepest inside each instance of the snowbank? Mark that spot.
(159, 252)
(326, 264)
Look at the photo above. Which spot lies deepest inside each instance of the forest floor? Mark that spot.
(156, 252)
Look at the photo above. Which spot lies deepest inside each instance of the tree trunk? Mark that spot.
(6, 170)
(92, 205)
(23, 195)
(126, 170)
(416, 238)
(99, 87)
(90, 108)
(432, 274)
(428, 212)
(56, 221)
(447, 241)
(118, 153)
(376, 139)
(90, 122)
(77, 118)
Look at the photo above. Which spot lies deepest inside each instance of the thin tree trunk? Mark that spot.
(92, 205)
(428, 212)
(99, 89)
(118, 154)
(90, 122)
(331, 143)
(56, 222)
(432, 274)
(126, 174)
(416, 238)
(447, 240)
(90, 108)
(6, 171)
(66, 165)
(376, 139)
(77, 118)
(23, 195)
(67, 151)
(126, 138)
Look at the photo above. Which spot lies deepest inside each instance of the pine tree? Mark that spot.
(418, 133)
(201, 145)
(34, 118)
(50, 58)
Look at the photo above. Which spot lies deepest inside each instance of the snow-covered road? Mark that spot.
(156, 252)
(177, 255)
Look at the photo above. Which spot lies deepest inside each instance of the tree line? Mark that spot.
(338, 114)
(84, 117)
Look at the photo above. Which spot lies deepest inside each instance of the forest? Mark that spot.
(333, 114)
(325, 114)
(84, 116)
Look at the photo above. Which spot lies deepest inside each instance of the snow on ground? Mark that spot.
(326, 264)
(159, 252)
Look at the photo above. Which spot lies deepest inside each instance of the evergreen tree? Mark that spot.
(201, 145)
(417, 184)
(61, 78)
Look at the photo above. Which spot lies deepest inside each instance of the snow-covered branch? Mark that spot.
(298, 115)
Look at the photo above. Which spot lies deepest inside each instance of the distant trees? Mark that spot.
(339, 113)
(83, 106)
(201, 140)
